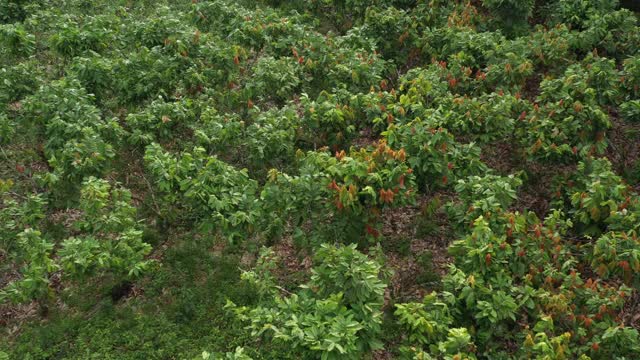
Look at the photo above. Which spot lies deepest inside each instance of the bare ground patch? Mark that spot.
(404, 229)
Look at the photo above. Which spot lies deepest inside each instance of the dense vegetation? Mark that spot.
(334, 179)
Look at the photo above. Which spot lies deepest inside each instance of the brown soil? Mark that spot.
(624, 145)
(501, 156)
(531, 88)
(366, 138)
(290, 260)
(630, 314)
(536, 194)
(401, 224)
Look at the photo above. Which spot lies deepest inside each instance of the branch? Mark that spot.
(155, 206)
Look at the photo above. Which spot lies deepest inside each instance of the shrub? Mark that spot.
(275, 79)
(336, 315)
(72, 38)
(631, 110)
(111, 240)
(342, 197)
(160, 121)
(16, 40)
(79, 142)
(512, 13)
(19, 81)
(631, 78)
(213, 194)
(264, 140)
(611, 33)
(599, 198)
(107, 241)
(519, 269)
(617, 254)
(16, 215)
(577, 12)
(12, 11)
(569, 122)
(485, 196)
(436, 158)
(327, 122)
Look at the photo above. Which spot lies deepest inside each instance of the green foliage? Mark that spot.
(599, 198)
(165, 28)
(12, 10)
(341, 196)
(161, 120)
(326, 121)
(631, 77)
(18, 81)
(428, 322)
(617, 254)
(342, 13)
(134, 325)
(577, 12)
(218, 197)
(602, 75)
(513, 13)
(144, 74)
(569, 121)
(336, 315)
(421, 88)
(35, 253)
(238, 354)
(631, 110)
(485, 196)
(18, 215)
(293, 124)
(108, 241)
(614, 33)
(7, 129)
(393, 30)
(497, 279)
(78, 139)
(264, 140)
(488, 118)
(94, 72)
(275, 78)
(16, 40)
(433, 154)
(73, 39)
(552, 47)
(113, 241)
